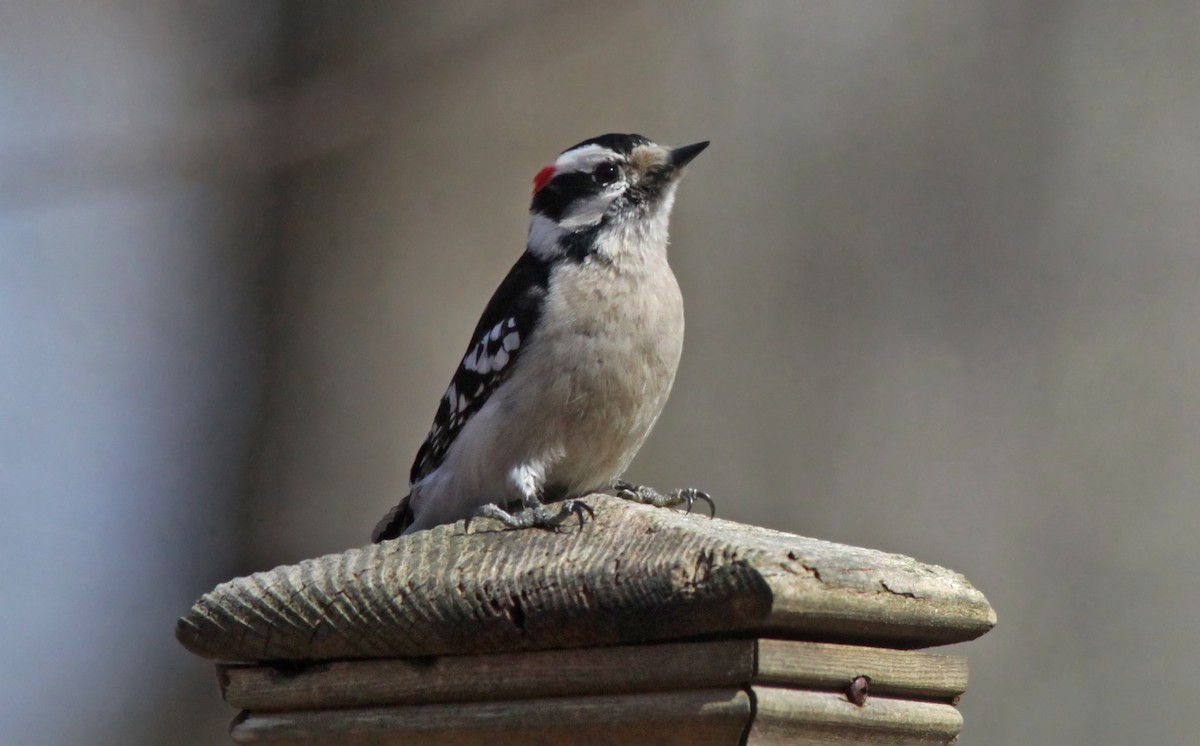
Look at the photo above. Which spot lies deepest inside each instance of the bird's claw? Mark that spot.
(690, 495)
(578, 507)
(650, 496)
(536, 514)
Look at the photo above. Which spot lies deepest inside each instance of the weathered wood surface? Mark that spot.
(685, 718)
(634, 574)
(502, 676)
(801, 718)
(624, 669)
(716, 716)
(893, 673)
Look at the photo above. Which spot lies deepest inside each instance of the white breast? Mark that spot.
(595, 375)
(612, 340)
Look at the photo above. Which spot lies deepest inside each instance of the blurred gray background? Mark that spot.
(941, 264)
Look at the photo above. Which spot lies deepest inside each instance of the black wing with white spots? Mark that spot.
(500, 336)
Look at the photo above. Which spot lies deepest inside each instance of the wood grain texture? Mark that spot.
(893, 673)
(634, 574)
(478, 678)
(800, 718)
(591, 671)
(685, 718)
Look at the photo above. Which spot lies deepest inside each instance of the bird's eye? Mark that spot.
(606, 173)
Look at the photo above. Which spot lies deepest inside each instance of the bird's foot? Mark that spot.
(536, 514)
(650, 496)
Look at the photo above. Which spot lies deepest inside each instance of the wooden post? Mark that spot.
(644, 626)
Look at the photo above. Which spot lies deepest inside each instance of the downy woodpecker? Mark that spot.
(574, 356)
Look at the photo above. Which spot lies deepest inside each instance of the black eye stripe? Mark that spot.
(556, 198)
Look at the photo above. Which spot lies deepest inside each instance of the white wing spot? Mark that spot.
(500, 359)
(512, 341)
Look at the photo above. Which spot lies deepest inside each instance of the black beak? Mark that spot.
(680, 157)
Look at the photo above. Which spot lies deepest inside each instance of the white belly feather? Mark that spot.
(608, 347)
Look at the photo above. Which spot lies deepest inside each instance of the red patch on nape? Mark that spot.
(543, 178)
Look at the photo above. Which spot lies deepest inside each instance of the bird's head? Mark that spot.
(606, 185)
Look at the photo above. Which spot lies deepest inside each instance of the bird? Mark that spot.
(574, 357)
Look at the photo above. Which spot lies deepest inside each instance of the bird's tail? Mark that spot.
(394, 523)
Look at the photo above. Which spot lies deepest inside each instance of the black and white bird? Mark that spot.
(574, 356)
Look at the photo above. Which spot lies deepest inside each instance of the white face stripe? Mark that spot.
(543, 235)
(584, 159)
(590, 211)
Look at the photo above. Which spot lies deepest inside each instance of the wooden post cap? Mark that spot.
(633, 574)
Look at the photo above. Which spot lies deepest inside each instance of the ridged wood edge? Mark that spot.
(801, 718)
(633, 574)
(685, 718)
(625, 669)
